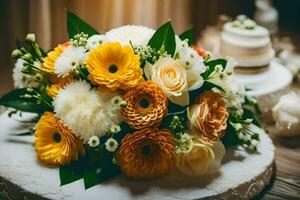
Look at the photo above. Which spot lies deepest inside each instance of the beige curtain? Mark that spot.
(47, 17)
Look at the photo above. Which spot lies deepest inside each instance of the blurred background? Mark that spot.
(46, 18)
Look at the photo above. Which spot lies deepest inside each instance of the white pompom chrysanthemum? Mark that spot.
(84, 110)
(69, 60)
(96, 40)
(138, 35)
(22, 80)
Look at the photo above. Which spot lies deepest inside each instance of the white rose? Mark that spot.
(204, 157)
(174, 79)
(286, 114)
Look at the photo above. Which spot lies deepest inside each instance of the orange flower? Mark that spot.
(114, 66)
(201, 52)
(208, 116)
(146, 105)
(54, 143)
(57, 84)
(49, 61)
(147, 153)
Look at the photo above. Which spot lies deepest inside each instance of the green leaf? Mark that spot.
(14, 100)
(189, 35)
(252, 102)
(68, 176)
(249, 114)
(212, 66)
(76, 25)
(164, 37)
(91, 178)
(73, 171)
(209, 85)
(206, 86)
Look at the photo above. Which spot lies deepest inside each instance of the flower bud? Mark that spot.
(38, 77)
(16, 53)
(115, 128)
(30, 37)
(27, 56)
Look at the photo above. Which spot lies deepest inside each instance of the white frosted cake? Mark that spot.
(256, 66)
(249, 44)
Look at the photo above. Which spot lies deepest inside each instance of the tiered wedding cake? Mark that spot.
(250, 46)
(248, 43)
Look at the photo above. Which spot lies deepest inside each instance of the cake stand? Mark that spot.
(267, 87)
(241, 176)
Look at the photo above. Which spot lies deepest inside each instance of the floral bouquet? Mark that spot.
(132, 100)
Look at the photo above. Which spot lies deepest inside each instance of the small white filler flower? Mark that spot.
(111, 145)
(94, 141)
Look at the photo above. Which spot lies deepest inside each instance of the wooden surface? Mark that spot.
(286, 181)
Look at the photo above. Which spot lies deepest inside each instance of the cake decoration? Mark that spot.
(133, 100)
(248, 43)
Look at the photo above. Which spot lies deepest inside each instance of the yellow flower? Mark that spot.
(147, 153)
(114, 66)
(54, 143)
(146, 105)
(53, 90)
(49, 62)
(57, 84)
(204, 157)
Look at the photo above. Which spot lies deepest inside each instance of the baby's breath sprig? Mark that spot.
(80, 39)
(149, 54)
(177, 126)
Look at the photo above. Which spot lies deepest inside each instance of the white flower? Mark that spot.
(174, 79)
(69, 60)
(286, 114)
(111, 145)
(30, 37)
(22, 80)
(84, 110)
(241, 17)
(205, 157)
(115, 128)
(138, 35)
(94, 141)
(96, 40)
(234, 89)
(248, 23)
(189, 57)
(184, 144)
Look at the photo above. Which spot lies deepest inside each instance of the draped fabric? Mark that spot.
(46, 18)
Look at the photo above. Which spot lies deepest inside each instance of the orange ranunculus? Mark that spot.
(146, 105)
(147, 153)
(208, 116)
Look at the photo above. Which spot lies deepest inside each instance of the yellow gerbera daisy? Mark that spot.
(54, 143)
(114, 66)
(49, 61)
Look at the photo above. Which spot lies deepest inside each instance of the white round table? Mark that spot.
(241, 176)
